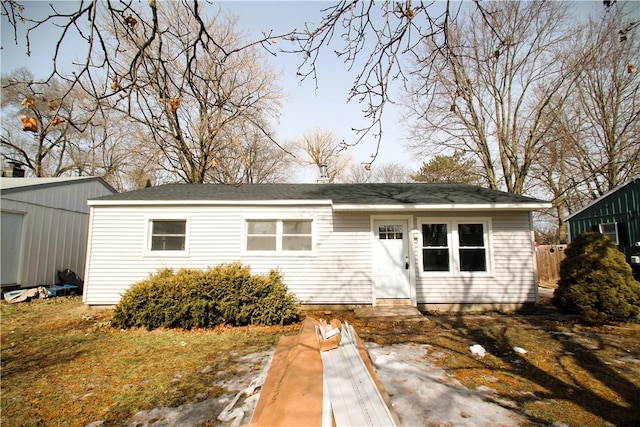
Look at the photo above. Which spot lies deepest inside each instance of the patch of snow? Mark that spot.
(423, 394)
(420, 393)
(519, 350)
(478, 350)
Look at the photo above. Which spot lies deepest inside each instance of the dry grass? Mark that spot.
(63, 365)
(577, 375)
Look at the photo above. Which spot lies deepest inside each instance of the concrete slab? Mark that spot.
(389, 313)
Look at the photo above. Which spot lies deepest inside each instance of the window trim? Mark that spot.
(149, 236)
(279, 219)
(454, 245)
(616, 232)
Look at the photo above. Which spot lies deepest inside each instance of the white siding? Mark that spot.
(338, 271)
(513, 278)
(54, 234)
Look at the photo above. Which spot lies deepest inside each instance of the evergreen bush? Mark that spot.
(596, 282)
(226, 294)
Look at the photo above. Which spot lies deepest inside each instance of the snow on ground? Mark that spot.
(421, 394)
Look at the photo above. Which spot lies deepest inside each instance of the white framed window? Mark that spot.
(167, 236)
(261, 235)
(472, 249)
(610, 230)
(279, 235)
(456, 246)
(435, 247)
(297, 235)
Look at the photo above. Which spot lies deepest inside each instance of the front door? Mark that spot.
(391, 263)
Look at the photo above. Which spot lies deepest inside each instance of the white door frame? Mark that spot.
(410, 243)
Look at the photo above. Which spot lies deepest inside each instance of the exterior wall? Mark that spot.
(622, 207)
(337, 271)
(512, 279)
(54, 229)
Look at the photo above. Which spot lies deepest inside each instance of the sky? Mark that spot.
(305, 108)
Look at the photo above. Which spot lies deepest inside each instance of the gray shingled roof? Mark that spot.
(14, 185)
(358, 194)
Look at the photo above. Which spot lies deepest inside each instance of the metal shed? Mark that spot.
(617, 215)
(44, 226)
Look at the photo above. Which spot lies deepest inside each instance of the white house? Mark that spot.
(44, 226)
(435, 246)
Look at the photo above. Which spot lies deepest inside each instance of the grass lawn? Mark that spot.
(571, 373)
(63, 365)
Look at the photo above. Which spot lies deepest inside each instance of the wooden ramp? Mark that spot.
(300, 391)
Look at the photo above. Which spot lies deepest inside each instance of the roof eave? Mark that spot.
(443, 207)
(604, 196)
(337, 207)
(205, 202)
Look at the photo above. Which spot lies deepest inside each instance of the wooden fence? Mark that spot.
(549, 257)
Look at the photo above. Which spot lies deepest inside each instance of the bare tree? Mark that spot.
(96, 22)
(40, 124)
(384, 172)
(121, 152)
(250, 158)
(606, 103)
(194, 105)
(591, 143)
(495, 89)
(322, 147)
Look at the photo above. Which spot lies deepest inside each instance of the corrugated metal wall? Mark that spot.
(621, 206)
(55, 227)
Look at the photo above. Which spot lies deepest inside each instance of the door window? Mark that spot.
(390, 232)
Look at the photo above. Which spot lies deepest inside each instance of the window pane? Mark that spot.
(610, 231)
(169, 227)
(435, 260)
(434, 235)
(261, 243)
(296, 227)
(261, 227)
(168, 235)
(472, 260)
(471, 234)
(607, 228)
(296, 243)
(167, 243)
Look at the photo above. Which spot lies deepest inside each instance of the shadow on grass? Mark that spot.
(575, 389)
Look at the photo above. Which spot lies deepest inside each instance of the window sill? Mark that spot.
(166, 254)
(276, 254)
(428, 275)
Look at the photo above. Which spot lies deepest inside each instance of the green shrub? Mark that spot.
(596, 282)
(189, 298)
